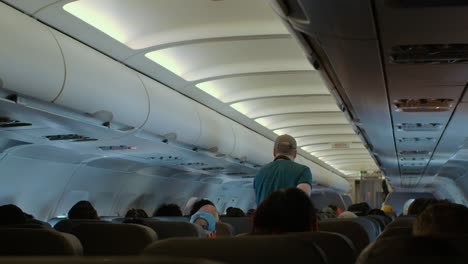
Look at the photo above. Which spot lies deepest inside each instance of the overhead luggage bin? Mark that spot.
(217, 133)
(171, 113)
(251, 147)
(97, 84)
(31, 62)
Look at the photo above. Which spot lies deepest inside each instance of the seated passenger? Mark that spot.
(335, 208)
(360, 209)
(234, 212)
(83, 210)
(11, 215)
(198, 204)
(168, 210)
(206, 220)
(443, 219)
(136, 213)
(328, 212)
(250, 212)
(420, 204)
(347, 214)
(285, 211)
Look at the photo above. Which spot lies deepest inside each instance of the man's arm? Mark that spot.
(305, 187)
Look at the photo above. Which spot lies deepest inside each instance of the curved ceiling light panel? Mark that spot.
(148, 23)
(239, 53)
(216, 59)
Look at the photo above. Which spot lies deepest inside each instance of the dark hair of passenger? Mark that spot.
(442, 219)
(285, 211)
(168, 210)
(250, 212)
(360, 209)
(137, 221)
(11, 215)
(82, 210)
(234, 212)
(377, 211)
(199, 204)
(420, 204)
(136, 213)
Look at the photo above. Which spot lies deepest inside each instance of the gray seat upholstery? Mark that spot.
(404, 250)
(397, 232)
(167, 229)
(290, 248)
(337, 248)
(172, 218)
(359, 230)
(67, 225)
(113, 239)
(106, 260)
(37, 241)
(376, 224)
(224, 230)
(239, 224)
(381, 220)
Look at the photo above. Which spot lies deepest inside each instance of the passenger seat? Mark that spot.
(113, 239)
(37, 241)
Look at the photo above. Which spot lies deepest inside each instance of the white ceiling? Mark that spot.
(235, 56)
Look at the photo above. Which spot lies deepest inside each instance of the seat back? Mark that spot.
(67, 225)
(290, 248)
(172, 218)
(113, 239)
(377, 225)
(397, 232)
(167, 229)
(337, 248)
(106, 260)
(358, 230)
(224, 230)
(404, 250)
(382, 220)
(37, 241)
(239, 224)
(402, 222)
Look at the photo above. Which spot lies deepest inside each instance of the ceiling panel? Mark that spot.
(302, 119)
(146, 23)
(283, 105)
(223, 58)
(265, 85)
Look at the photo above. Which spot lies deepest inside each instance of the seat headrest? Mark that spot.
(412, 250)
(167, 229)
(290, 248)
(37, 241)
(224, 229)
(239, 224)
(360, 231)
(67, 225)
(113, 239)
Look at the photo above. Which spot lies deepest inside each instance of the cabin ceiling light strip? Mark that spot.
(423, 105)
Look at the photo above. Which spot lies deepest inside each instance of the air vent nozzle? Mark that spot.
(419, 127)
(430, 54)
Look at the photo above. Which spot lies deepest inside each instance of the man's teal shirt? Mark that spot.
(279, 174)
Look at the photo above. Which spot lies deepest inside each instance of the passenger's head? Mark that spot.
(443, 219)
(285, 211)
(376, 211)
(11, 215)
(198, 204)
(136, 213)
(212, 209)
(420, 204)
(328, 212)
(234, 212)
(82, 210)
(250, 212)
(168, 210)
(285, 145)
(206, 220)
(360, 209)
